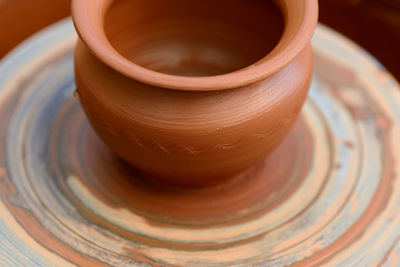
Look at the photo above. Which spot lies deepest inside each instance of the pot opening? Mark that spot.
(194, 38)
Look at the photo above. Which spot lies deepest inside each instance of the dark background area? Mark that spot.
(374, 24)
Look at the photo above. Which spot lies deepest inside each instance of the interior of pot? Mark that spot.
(194, 38)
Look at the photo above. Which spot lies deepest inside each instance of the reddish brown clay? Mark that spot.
(193, 91)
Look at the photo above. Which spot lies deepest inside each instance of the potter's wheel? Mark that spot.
(329, 194)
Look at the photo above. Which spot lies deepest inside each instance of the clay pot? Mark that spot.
(193, 91)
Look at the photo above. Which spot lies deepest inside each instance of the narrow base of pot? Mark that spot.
(243, 195)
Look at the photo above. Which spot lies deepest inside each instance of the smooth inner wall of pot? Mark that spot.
(194, 38)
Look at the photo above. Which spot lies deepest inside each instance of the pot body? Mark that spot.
(191, 137)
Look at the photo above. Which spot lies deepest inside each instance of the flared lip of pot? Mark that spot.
(300, 17)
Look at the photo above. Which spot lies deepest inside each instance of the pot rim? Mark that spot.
(300, 16)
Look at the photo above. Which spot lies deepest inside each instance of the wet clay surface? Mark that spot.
(193, 130)
(49, 230)
(189, 137)
(66, 199)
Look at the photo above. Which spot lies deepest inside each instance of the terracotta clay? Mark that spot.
(328, 195)
(197, 91)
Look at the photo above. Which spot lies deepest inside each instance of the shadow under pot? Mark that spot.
(193, 91)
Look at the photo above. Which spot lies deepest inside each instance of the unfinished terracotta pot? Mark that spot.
(193, 91)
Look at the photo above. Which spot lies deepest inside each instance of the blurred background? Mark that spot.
(373, 24)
